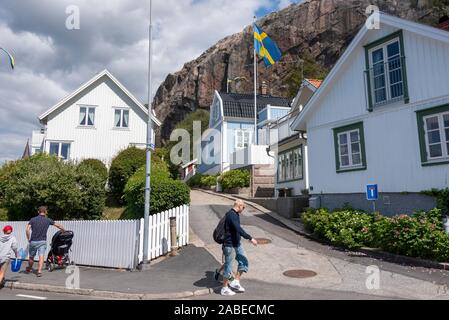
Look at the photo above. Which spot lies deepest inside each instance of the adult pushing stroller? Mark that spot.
(58, 257)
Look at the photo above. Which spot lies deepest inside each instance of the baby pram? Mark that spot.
(58, 257)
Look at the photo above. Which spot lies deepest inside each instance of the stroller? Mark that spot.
(58, 257)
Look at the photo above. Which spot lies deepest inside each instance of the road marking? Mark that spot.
(31, 297)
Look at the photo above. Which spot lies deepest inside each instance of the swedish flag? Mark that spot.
(265, 47)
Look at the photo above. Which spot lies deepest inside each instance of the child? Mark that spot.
(8, 243)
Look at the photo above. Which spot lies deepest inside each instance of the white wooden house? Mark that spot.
(96, 121)
(290, 146)
(382, 117)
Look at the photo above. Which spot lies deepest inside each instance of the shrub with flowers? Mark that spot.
(420, 235)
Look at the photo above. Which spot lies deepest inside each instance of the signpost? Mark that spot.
(372, 194)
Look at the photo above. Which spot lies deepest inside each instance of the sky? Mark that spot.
(52, 60)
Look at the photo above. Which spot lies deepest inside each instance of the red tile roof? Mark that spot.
(315, 82)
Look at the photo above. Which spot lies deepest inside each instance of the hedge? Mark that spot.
(166, 193)
(44, 180)
(420, 235)
(235, 179)
(98, 166)
(123, 166)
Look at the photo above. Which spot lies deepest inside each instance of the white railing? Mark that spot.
(159, 239)
(251, 155)
(116, 244)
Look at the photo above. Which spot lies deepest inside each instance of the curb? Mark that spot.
(108, 294)
(371, 252)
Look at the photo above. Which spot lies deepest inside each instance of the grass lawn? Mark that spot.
(112, 213)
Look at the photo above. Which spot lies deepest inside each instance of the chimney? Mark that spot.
(264, 88)
(444, 23)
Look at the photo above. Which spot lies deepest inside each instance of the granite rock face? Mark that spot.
(320, 28)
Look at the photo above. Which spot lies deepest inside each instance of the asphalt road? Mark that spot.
(8, 294)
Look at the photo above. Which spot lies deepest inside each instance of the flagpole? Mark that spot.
(256, 138)
(148, 148)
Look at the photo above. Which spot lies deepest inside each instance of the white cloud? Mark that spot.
(52, 61)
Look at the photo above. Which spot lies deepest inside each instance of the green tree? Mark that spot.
(45, 180)
(309, 69)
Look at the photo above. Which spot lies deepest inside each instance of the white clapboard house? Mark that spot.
(96, 121)
(382, 117)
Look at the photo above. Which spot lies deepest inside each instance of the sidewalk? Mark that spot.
(297, 226)
(186, 275)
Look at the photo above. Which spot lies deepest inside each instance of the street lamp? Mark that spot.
(149, 147)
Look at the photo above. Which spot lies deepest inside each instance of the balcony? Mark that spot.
(252, 155)
(386, 82)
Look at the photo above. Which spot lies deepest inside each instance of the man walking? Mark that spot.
(233, 234)
(36, 233)
(8, 243)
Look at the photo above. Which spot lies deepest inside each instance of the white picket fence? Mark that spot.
(117, 244)
(159, 242)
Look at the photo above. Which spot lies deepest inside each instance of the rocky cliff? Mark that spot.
(320, 29)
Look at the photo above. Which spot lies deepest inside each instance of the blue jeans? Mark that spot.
(240, 256)
(37, 247)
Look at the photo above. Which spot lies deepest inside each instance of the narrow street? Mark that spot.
(339, 274)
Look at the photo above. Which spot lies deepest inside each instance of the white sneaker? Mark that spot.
(225, 291)
(236, 286)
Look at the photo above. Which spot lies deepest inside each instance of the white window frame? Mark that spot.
(122, 110)
(60, 143)
(88, 108)
(443, 140)
(384, 47)
(243, 133)
(290, 165)
(350, 154)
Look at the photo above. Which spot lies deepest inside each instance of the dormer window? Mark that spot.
(386, 71)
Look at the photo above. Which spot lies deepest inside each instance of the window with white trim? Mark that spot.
(60, 149)
(242, 138)
(121, 118)
(87, 116)
(436, 129)
(350, 148)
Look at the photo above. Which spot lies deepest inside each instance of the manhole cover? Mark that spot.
(263, 241)
(301, 274)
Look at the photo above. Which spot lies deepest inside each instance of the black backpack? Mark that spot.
(219, 232)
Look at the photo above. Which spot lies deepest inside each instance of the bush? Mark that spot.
(195, 181)
(45, 180)
(420, 235)
(123, 166)
(442, 198)
(97, 166)
(235, 179)
(166, 193)
(208, 181)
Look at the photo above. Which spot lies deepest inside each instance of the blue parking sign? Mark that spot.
(372, 192)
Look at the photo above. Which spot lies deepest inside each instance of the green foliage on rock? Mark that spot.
(123, 166)
(98, 166)
(310, 69)
(235, 179)
(420, 235)
(44, 180)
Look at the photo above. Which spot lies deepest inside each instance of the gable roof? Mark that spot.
(239, 105)
(85, 86)
(385, 19)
